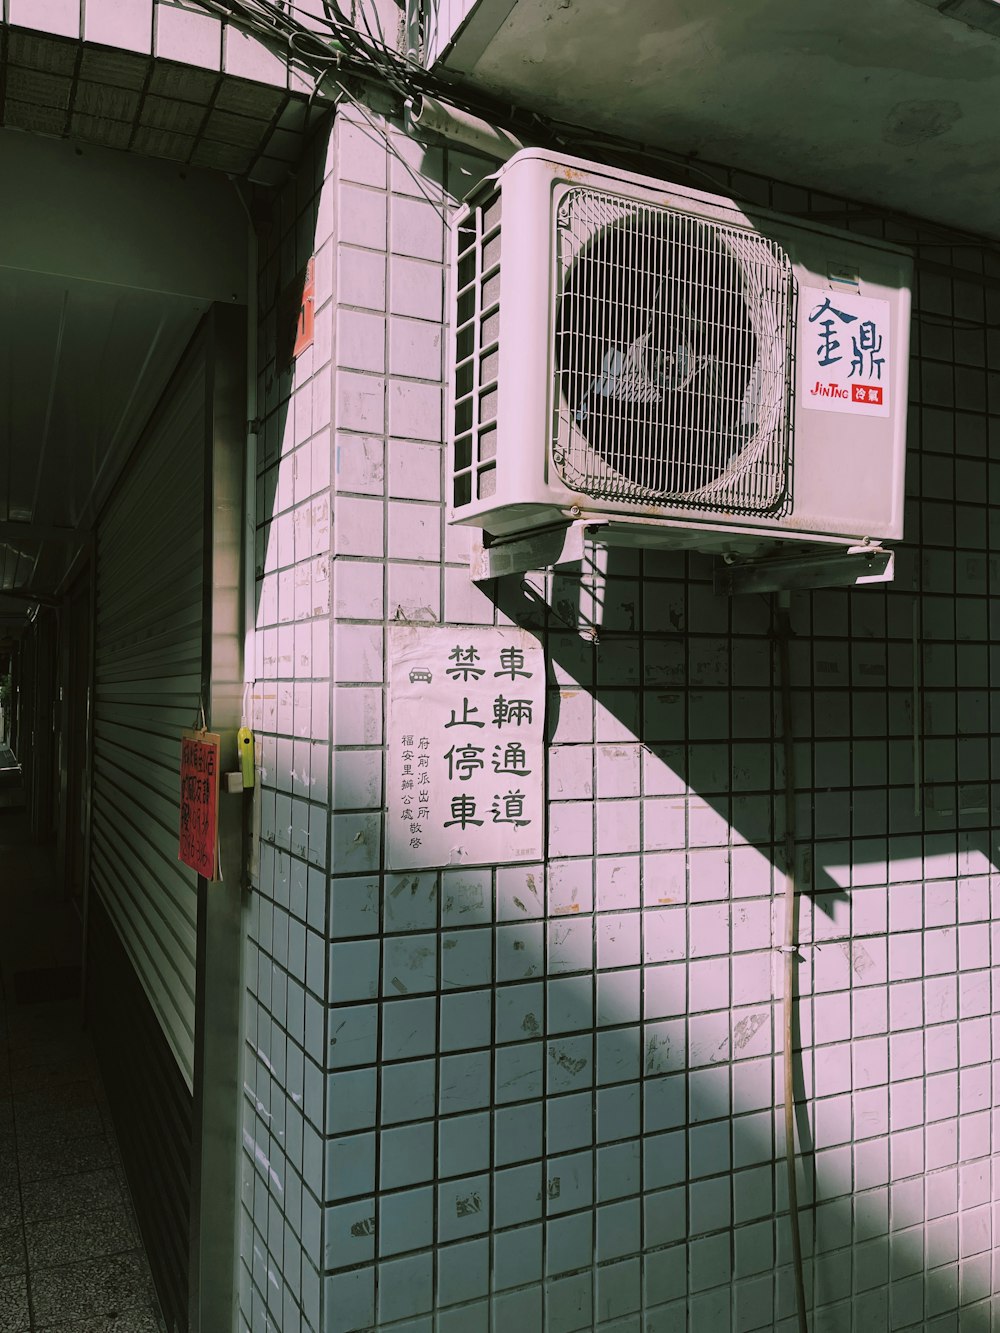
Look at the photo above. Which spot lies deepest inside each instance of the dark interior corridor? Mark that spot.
(70, 1256)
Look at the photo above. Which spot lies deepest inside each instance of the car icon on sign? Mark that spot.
(419, 673)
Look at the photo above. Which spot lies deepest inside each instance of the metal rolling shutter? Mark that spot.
(148, 673)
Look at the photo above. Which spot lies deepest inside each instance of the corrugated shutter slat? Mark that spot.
(148, 665)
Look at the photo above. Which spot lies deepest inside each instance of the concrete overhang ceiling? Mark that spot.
(95, 94)
(893, 104)
(108, 261)
(82, 364)
(120, 225)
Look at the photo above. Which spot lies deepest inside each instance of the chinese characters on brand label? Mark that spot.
(466, 758)
(844, 352)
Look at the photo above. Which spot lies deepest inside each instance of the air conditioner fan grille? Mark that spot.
(672, 357)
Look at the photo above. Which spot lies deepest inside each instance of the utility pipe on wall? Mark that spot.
(789, 949)
(428, 116)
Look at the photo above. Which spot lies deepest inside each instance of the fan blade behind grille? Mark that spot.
(672, 347)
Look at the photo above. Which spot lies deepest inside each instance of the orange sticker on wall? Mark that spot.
(199, 831)
(306, 324)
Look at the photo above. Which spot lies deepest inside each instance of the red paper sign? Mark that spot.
(199, 833)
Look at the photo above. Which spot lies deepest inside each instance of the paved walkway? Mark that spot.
(70, 1255)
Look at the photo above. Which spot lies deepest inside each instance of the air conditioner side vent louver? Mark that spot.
(477, 338)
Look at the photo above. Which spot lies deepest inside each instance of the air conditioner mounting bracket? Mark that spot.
(546, 549)
(848, 567)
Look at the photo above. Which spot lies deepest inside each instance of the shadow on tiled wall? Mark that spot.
(578, 1087)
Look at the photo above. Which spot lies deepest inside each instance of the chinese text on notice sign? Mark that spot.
(466, 752)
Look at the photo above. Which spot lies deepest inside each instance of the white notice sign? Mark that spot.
(845, 352)
(466, 747)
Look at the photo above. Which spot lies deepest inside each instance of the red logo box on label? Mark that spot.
(866, 393)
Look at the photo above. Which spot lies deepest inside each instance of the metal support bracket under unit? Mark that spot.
(848, 568)
(520, 555)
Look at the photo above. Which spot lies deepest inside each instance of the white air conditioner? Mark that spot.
(663, 363)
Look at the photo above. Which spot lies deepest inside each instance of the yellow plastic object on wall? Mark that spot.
(244, 743)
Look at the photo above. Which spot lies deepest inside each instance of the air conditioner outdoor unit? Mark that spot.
(671, 366)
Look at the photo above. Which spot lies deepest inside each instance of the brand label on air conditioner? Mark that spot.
(845, 352)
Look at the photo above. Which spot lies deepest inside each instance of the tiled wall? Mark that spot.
(441, 20)
(570, 1119)
(286, 967)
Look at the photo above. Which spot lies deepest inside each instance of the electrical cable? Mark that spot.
(366, 56)
(335, 6)
(371, 57)
(789, 951)
(310, 46)
(377, 135)
(380, 39)
(341, 25)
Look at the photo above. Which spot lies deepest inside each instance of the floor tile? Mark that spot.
(64, 1205)
(8, 1153)
(55, 1059)
(51, 1100)
(10, 1204)
(90, 1235)
(41, 1078)
(68, 1122)
(12, 1260)
(8, 1175)
(133, 1321)
(40, 1160)
(91, 1290)
(76, 1193)
(14, 1315)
